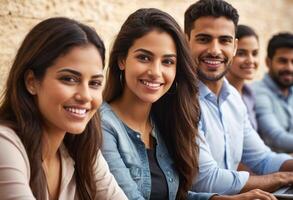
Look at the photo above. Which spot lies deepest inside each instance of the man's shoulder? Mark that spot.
(263, 86)
(234, 95)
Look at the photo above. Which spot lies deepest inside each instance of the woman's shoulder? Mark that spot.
(108, 117)
(107, 112)
(13, 153)
(105, 108)
(6, 133)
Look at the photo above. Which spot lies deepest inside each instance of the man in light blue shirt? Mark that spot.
(227, 135)
(274, 100)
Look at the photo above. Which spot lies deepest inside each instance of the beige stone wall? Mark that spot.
(18, 16)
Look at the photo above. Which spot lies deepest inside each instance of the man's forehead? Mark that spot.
(213, 26)
(284, 52)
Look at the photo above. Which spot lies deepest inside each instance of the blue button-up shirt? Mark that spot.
(227, 139)
(274, 115)
(127, 158)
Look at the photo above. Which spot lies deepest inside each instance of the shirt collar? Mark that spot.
(205, 92)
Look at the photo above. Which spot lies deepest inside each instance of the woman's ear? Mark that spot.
(30, 82)
(121, 64)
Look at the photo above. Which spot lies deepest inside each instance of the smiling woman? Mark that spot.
(50, 132)
(151, 113)
(244, 66)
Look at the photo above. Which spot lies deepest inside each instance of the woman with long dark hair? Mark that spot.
(50, 132)
(151, 114)
(150, 119)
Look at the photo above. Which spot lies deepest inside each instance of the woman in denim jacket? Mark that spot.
(151, 116)
(153, 109)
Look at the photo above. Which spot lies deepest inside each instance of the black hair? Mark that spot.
(205, 8)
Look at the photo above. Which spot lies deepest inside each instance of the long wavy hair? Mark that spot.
(176, 113)
(47, 41)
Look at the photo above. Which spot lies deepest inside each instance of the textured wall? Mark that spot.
(18, 16)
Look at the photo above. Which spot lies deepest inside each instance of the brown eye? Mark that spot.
(202, 39)
(69, 79)
(226, 40)
(143, 58)
(240, 53)
(95, 84)
(255, 53)
(168, 62)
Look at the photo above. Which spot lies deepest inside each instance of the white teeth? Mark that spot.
(212, 62)
(76, 110)
(150, 84)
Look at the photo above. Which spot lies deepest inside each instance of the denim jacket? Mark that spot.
(127, 158)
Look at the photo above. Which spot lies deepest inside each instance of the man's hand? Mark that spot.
(255, 194)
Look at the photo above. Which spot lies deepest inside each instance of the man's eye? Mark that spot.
(202, 40)
(282, 61)
(226, 40)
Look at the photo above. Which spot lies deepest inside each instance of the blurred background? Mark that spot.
(17, 17)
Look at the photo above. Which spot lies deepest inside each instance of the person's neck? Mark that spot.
(136, 114)
(51, 161)
(236, 82)
(284, 91)
(214, 86)
(51, 143)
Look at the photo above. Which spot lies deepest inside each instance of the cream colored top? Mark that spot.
(15, 173)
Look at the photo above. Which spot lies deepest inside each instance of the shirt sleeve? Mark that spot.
(211, 177)
(257, 156)
(107, 187)
(117, 167)
(14, 169)
(199, 196)
(269, 125)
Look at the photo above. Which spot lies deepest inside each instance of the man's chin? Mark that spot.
(204, 76)
(284, 84)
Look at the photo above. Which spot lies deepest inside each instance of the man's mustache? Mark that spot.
(209, 56)
(286, 72)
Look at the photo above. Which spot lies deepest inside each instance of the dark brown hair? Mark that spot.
(245, 31)
(209, 8)
(176, 113)
(47, 41)
(280, 40)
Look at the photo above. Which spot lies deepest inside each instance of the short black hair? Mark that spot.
(245, 31)
(280, 40)
(205, 8)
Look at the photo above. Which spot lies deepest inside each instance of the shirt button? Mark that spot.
(171, 179)
(137, 136)
(168, 172)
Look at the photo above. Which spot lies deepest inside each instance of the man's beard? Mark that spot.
(278, 79)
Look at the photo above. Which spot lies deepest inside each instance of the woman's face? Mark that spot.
(150, 67)
(246, 60)
(71, 90)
